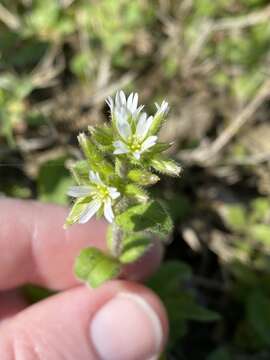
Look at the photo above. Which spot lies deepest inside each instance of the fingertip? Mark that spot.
(120, 320)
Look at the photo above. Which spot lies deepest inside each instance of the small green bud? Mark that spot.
(160, 117)
(160, 147)
(80, 171)
(94, 156)
(168, 167)
(78, 208)
(142, 177)
(120, 167)
(136, 192)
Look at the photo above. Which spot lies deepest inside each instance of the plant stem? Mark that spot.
(116, 245)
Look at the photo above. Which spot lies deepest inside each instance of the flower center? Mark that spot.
(103, 192)
(134, 144)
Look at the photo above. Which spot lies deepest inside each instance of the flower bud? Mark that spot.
(143, 177)
(168, 167)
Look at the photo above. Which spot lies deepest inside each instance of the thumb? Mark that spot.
(119, 321)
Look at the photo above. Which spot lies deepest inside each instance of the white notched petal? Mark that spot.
(136, 113)
(130, 102)
(114, 194)
(91, 209)
(117, 100)
(95, 178)
(109, 102)
(120, 147)
(137, 154)
(143, 126)
(79, 191)
(134, 103)
(123, 98)
(149, 142)
(120, 151)
(163, 108)
(108, 212)
(122, 125)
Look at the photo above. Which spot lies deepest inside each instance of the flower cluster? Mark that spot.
(118, 159)
(133, 127)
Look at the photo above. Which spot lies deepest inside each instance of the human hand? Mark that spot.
(121, 320)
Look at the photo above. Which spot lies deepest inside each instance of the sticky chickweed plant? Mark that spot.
(122, 159)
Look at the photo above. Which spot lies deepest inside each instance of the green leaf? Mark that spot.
(260, 209)
(95, 267)
(222, 353)
(168, 167)
(150, 216)
(134, 246)
(142, 177)
(80, 64)
(169, 283)
(192, 311)
(236, 217)
(169, 277)
(258, 314)
(261, 233)
(53, 181)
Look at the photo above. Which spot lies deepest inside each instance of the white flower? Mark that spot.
(102, 197)
(129, 104)
(162, 109)
(133, 139)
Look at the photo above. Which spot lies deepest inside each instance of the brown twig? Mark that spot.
(208, 27)
(9, 19)
(203, 154)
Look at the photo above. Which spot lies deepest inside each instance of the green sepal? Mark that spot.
(94, 267)
(134, 191)
(159, 148)
(80, 171)
(94, 157)
(164, 166)
(120, 167)
(157, 124)
(142, 177)
(78, 207)
(150, 216)
(134, 246)
(102, 135)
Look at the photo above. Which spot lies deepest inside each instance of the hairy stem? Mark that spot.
(116, 244)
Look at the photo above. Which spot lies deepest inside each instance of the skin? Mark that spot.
(34, 248)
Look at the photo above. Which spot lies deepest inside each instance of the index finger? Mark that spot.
(34, 247)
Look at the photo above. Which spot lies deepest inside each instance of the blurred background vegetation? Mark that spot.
(60, 59)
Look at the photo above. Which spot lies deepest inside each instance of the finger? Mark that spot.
(118, 321)
(11, 302)
(35, 248)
